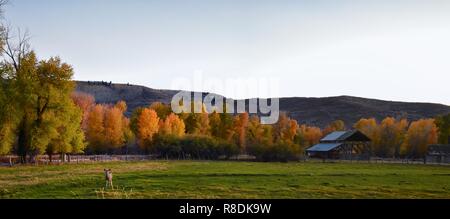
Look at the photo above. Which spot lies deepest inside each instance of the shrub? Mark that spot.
(280, 151)
(193, 146)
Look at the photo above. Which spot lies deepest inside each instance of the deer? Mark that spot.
(108, 178)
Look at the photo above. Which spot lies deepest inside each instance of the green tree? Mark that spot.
(70, 138)
(8, 116)
(41, 89)
(215, 123)
(443, 123)
(163, 110)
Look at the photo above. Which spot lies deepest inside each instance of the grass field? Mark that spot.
(216, 179)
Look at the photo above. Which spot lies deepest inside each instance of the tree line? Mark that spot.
(157, 130)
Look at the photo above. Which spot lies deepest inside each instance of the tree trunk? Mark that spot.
(50, 157)
(33, 158)
(22, 142)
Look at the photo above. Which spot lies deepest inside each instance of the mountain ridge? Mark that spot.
(318, 111)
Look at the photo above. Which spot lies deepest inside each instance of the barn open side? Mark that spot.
(346, 145)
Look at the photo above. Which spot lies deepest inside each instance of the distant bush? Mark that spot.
(281, 151)
(192, 147)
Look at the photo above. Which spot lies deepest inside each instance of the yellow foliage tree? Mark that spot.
(95, 128)
(420, 134)
(309, 135)
(113, 127)
(172, 125)
(240, 124)
(147, 126)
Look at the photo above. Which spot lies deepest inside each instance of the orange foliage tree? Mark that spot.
(95, 128)
(107, 128)
(240, 125)
(420, 134)
(308, 135)
(391, 136)
(85, 102)
(114, 133)
(147, 126)
(370, 128)
(172, 125)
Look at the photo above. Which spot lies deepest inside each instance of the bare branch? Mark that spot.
(16, 52)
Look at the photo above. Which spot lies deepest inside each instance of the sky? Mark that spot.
(391, 50)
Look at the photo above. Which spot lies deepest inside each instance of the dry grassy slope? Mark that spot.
(134, 95)
(315, 111)
(321, 111)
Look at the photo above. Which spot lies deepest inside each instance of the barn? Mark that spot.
(438, 153)
(340, 145)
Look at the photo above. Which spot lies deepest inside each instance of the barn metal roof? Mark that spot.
(334, 136)
(352, 135)
(323, 147)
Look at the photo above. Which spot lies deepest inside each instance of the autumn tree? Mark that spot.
(113, 127)
(280, 127)
(401, 129)
(258, 133)
(95, 133)
(121, 106)
(35, 100)
(420, 134)
(259, 136)
(197, 123)
(337, 125)
(85, 102)
(240, 126)
(391, 136)
(370, 128)
(308, 136)
(204, 124)
(107, 127)
(172, 125)
(45, 90)
(8, 116)
(134, 119)
(147, 126)
(284, 147)
(192, 123)
(70, 138)
(128, 136)
(8, 120)
(161, 109)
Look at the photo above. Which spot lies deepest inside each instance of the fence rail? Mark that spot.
(57, 159)
(45, 159)
(379, 160)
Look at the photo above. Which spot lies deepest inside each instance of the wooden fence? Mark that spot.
(58, 159)
(45, 159)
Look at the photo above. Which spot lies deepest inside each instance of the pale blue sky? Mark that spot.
(394, 50)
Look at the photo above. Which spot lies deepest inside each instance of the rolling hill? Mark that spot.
(312, 111)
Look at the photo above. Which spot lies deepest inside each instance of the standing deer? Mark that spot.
(108, 178)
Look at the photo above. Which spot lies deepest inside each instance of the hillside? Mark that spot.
(313, 111)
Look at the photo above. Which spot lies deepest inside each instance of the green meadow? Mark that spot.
(222, 179)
